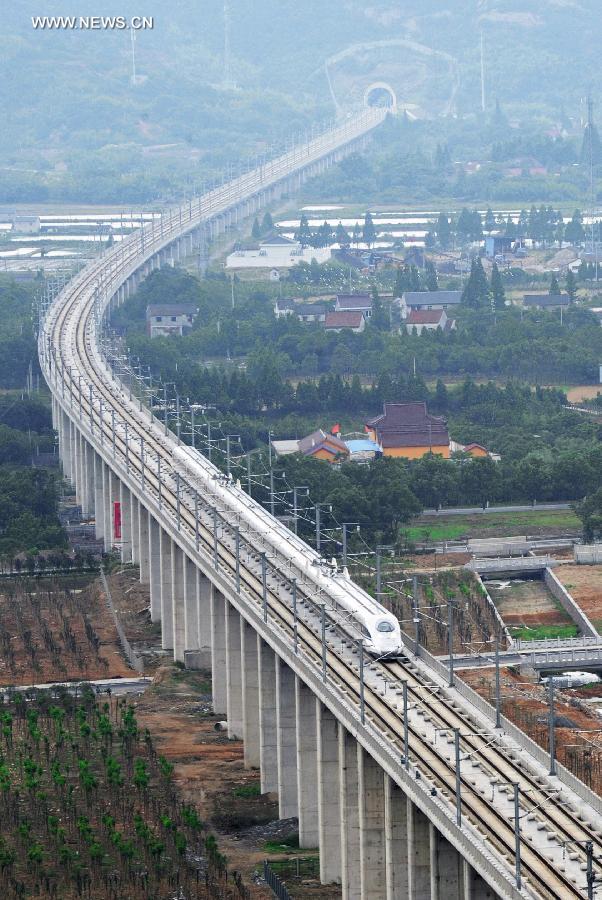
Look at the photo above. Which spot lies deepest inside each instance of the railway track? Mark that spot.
(73, 356)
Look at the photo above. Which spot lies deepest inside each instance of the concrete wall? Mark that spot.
(564, 598)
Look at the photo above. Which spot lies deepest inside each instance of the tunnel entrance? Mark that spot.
(380, 94)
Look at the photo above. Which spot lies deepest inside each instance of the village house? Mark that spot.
(26, 224)
(311, 312)
(409, 430)
(169, 318)
(354, 303)
(319, 445)
(284, 307)
(429, 300)
(275, 253)
(352, 320)
(477, 451)
(419, 320)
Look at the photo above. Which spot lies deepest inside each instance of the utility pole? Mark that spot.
(345, 526)
(498, 697)
(551, 726)
(296, 494)
(450, 639)
(483, 104)
(415, 614)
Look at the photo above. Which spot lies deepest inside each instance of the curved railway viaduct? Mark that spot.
(403, 782)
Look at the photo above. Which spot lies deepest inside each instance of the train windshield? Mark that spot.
(385, 626)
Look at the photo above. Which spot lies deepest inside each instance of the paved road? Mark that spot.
(475, 510)
(541, 659)
(117, 686)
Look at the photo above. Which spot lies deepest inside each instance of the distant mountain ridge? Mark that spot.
(68, 94)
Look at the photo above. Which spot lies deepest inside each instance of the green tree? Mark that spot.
(443, 231)
(256, 230)
(498, 295)
(304, 232)
(574, 232)
(369, 231)
(590, 513)
(380, 315)
(571, 285)
(554, 286)
(267, 223)
(476, 292)
(430, 276)
(341, 235)
(511, 230)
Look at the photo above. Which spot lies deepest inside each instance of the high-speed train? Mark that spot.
(378, 628)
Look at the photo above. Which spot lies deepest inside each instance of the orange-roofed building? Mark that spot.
(322, 445)
(409, 430)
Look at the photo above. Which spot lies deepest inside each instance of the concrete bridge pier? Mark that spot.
(143, 543)
(419, 853)
(204, 589)
(126, 523)
(371, 788)
(396, 841)
(218, 652)
(350, 823)
(99, 501)
(329, 799)
(191, 607)
(165, 553)
(286, 732)
(447, 870)
(234, 701)
(90, 482)
(135, 522)
(250, 695)
(177, 601)
(66, 448)
(154, 559)
(108, 507)
(268, 752)
(474, 886)
(307, 765)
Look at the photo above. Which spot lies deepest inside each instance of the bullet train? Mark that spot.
(378, 628)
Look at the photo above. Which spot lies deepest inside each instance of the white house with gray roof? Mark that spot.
(420, 300)
(275, 253)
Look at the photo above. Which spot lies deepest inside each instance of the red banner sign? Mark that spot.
(117, 520)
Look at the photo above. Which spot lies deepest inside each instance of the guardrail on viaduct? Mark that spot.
(393, 773)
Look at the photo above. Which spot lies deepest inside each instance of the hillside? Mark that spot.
(78, 128)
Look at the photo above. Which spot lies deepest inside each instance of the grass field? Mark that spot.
(492, 524)
(543, 632)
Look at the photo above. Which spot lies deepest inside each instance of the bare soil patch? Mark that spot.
(526, 603)
(584, 584)
(583, 392)
(209, 769)
(52, 633)
(578, 724)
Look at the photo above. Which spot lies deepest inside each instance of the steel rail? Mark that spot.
(73, 330)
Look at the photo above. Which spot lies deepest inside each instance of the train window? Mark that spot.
(384, 626)
(365, 631)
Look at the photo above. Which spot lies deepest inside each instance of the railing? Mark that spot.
(271, 879)
(558, 644)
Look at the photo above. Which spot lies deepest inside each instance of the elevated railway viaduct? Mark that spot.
(403, 782)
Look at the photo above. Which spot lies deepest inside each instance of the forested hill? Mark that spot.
(73, 116)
